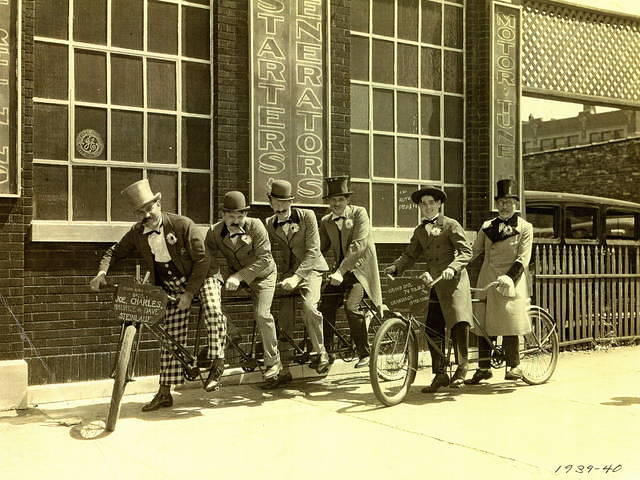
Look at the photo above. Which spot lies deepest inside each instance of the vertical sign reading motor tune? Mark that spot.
(8, 101)
(506, 158)
(288, 117)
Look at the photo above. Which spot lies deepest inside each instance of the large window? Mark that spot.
(122, 91)
(407, 105)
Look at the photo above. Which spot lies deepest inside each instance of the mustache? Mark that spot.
(280, 211)
(235, 225)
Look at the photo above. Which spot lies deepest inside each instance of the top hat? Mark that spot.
(234, 202)
(337, 186)
(139, 194)
(281, 190)
(507, 188)
(435, 192)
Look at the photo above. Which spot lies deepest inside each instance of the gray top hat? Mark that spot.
(337, 186)
(507, 188)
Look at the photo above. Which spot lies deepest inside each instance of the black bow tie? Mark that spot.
(501, 220)
(282, 223)
(237, 234)
(429, 222)
(151, 231)
(335, 219)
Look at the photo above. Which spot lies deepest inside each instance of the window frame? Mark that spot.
(596, 225)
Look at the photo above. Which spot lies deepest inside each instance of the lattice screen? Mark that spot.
(576, 51)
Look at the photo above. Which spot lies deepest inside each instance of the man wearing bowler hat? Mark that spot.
(440, 242)
(174, 253)
(505, 242)
(296, 231)
(347, 234)
(244, 243)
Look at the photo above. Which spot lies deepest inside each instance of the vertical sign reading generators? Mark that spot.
(288, 118)
(505, 143)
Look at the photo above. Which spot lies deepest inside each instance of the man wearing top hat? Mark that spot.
(173, 251)
(506, 242)
(347, 234)
(440, 242)
(244, 243)
(296, 231)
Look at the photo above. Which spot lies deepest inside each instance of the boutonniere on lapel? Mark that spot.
(348, 223)
(435, 230)
(246, 239)
(294, 228)
(506, 230)
(171, 238)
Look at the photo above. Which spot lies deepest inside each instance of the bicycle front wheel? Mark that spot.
(539, 354)
(394, 359)
(120, 378)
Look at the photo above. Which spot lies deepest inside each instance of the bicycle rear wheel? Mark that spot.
(393, 363)
(539, 354)
(120, 378)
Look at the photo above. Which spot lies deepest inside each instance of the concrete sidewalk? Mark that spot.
(334, 428)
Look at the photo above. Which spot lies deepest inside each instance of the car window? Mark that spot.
(580, 222)
(544, 220)
(620, 225)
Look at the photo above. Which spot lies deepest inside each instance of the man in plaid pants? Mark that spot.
(173, 250)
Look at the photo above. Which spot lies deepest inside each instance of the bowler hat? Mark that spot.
(234, 201)
(435, 192)
(139, 194)
(337, 186)
(281, 190)
(507, 188)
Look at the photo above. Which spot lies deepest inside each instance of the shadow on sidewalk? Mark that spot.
(622, 401)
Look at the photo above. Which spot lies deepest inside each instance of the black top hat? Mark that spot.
(435, 192)
(337, 186)
(234, 202)
(507, 188)
(280, 189)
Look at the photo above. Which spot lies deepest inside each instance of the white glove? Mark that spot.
(290, 283)
(336, 278)
(426, 278)
(232, 283)
(98, 281)
(448, 273)
(505, 287)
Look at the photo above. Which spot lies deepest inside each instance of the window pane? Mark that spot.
(431, 69)
(126, 136)
(543, 220)
(50, 134)
(383, 110)
(453, 162)
(621, 225)
(161, 84)
(407, 157)
(91, 133)
(430, 106)
(407, 211)
(89, 193)
(408, 19)
(195, 33)
(383, 205)
(90, 21)
(430, 160)
(126, 80)
(407, 112)
(161, 144)
(52, 17)
(453, 114)
(91, 76)
(407, 65)
(453, 76)
(50, 187)
(359, 106)
(431, 22)
(360, 15)
(580, 222)
(453, 206)
(196, 143)
(359, 155)
(383, 17)
(195, 196)
(51, 67)
(452, 26)
(126, 24)
(360, 195)
(359, 58)
(167, 184)
(120, 179)
(382, 58)
(383, 156)
(196, 88)
(163, 27)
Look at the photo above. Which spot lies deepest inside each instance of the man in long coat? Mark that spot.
(506, 242)
(347, 234)
(441, 243)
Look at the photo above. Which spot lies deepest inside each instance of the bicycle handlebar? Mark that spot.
(485, 288)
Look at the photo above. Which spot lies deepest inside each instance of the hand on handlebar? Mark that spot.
(232, 283)
(184, 300)
(391, 272)
(448, 273)
(336, 278)
(290, 283)
(98, 281)
(426, 278)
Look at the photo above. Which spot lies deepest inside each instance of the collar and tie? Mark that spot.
(426, 221)
(148, 231)
(277, 223)
(340, 217)
(237, 234)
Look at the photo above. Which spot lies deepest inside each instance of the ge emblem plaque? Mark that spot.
(407, 295)
(89, 143)
(139, 303)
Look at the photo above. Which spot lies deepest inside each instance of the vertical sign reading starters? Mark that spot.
(506, 155)
(288, 96)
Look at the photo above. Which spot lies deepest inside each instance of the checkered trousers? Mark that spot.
(214, 319)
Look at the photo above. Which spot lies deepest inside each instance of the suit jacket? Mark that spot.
(188, 252)
(250, 257)
(301, 247)
(358, 248)
(444, 246)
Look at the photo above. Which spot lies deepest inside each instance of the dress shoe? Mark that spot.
(322, 366)
(161, 400)
(332, 358)
(280, 381)
(272, 371)
(440, 380)
(514, 373)
(363, 362)
(213, 380)
(481, 374)
(457, 381)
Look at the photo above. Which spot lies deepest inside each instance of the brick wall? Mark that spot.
(340, 90)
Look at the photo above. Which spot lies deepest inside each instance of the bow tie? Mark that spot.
(149, 232)
(237, 234)
(335, 219)
(282, 223)
(429, 222)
